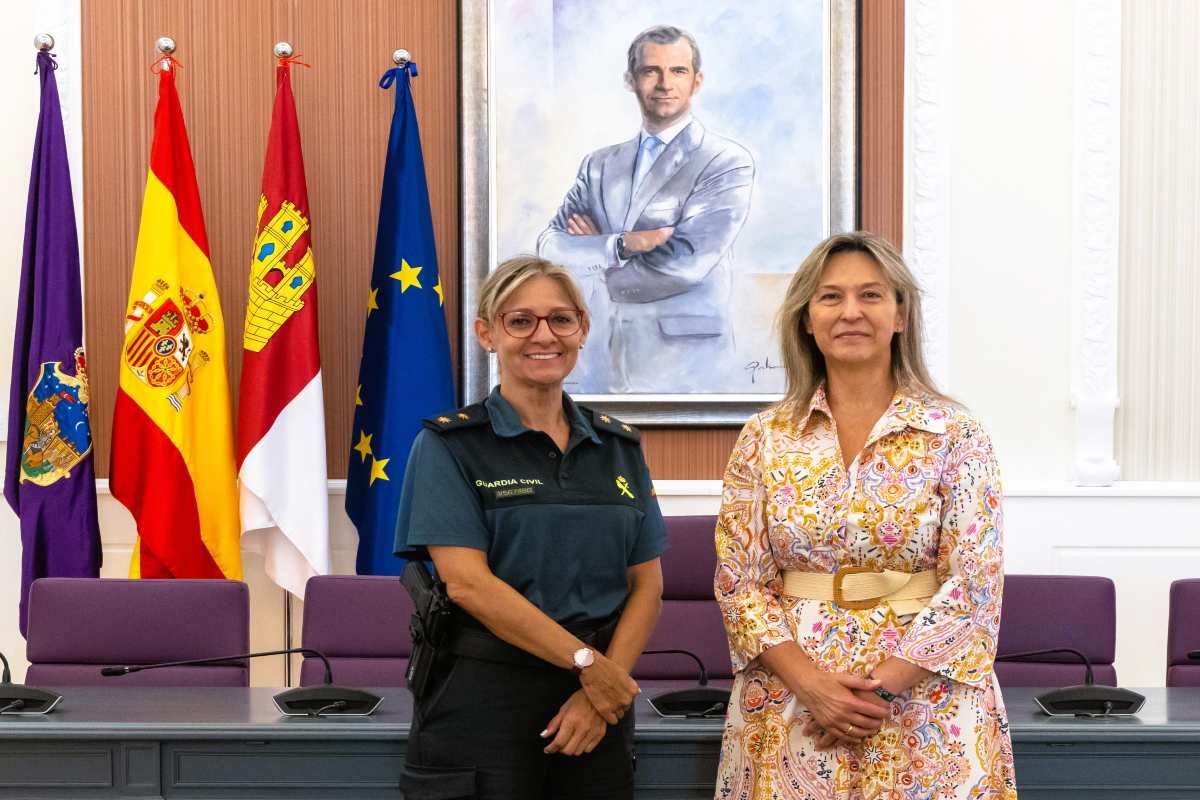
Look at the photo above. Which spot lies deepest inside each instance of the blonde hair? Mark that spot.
(510, 275)
(804, 362)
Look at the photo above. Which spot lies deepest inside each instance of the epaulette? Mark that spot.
(607, 422)
(467, 417)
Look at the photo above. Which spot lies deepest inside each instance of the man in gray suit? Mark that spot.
(648, 227)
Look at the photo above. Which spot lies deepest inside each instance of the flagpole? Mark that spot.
(287, 637)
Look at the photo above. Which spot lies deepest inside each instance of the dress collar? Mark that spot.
(906, 411)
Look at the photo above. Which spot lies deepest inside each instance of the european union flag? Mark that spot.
(49, 479)
(405, 373)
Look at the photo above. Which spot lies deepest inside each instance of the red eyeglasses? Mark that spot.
(521, 323)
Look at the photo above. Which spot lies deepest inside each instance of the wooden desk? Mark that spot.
(225, 743)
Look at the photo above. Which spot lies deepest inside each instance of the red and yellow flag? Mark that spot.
(172, 457)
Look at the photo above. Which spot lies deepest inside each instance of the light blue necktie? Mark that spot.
(648, 153)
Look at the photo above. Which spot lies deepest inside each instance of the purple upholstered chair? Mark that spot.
(691, 618)
(78, 625)
(360, 623)
(1183, 633)
(1045, 611)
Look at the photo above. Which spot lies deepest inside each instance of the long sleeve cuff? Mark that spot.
(954, 636)
(754, 622)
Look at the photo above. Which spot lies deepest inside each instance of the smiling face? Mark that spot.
(543, 359)
(854, 313)
(664, 82)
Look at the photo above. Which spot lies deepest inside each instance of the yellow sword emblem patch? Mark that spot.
(623, 485)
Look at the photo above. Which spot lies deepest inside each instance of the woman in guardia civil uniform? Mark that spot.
(540, 518)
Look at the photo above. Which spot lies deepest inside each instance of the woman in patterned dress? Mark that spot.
(863, 467)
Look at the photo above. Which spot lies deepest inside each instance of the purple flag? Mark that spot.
(49, 479)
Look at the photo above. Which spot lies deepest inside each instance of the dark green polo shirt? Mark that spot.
(560, 528)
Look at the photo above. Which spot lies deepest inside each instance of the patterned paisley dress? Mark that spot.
(924, 493)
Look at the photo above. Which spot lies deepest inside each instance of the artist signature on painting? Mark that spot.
(755, 367)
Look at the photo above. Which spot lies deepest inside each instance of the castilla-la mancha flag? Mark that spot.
(172, 452)
(281, 413)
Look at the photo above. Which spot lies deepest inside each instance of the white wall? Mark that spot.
(1011, 155)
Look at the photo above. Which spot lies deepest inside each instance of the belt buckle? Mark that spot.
(854, 605)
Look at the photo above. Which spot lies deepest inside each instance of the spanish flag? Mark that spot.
(172, 456)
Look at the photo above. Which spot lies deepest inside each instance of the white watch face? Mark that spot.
(583, 657)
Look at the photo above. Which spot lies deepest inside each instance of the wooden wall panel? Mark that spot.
(227, 87)
(881, 108)
(699, 453)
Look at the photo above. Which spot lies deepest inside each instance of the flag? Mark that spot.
(172, 455)
(281, 410)
(49, 478)
(405, 372)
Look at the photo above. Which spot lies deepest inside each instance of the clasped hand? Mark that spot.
(844, 708)
(609, 688)
(605, 698)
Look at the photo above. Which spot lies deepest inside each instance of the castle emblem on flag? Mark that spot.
(276, 288)
(159, 344)
(57, 433)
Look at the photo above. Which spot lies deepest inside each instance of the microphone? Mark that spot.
(17, 699)
(304, 701)
(1194, 655)
(704, 701)
(1086, 700)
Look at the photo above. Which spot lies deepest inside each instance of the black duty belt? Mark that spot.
(468, 638)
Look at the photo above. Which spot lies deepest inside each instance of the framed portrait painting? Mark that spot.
(679, 159)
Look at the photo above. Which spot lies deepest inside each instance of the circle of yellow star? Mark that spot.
(407, 276)
(364, 445)
(438, 289)
(377, 465)
(373, 302)
(358, 395)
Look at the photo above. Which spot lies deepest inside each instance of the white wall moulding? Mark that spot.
(1096, 239)
(1158, 423)
(928, 81)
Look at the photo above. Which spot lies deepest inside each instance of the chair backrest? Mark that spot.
(1183, 633)
(360, 623)
(691, 618)
(1040, 612)
(77, 625)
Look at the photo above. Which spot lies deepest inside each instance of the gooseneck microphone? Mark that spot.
(17, 699)
(702, 701)
(1086, 700)
(304, 701)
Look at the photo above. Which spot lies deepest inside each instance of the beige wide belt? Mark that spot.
(862, 588)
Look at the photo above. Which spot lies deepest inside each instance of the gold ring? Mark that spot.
(849, 730)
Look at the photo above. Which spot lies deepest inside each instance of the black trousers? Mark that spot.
(475, 735)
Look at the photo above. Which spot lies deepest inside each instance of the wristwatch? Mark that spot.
(623, 253)
(583, 658)
(884, 694)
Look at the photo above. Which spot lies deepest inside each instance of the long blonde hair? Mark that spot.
(803, 361)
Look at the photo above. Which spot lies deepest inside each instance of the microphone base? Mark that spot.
(326, 701)
(35, 702)
(1090, 701)
(702, 702)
